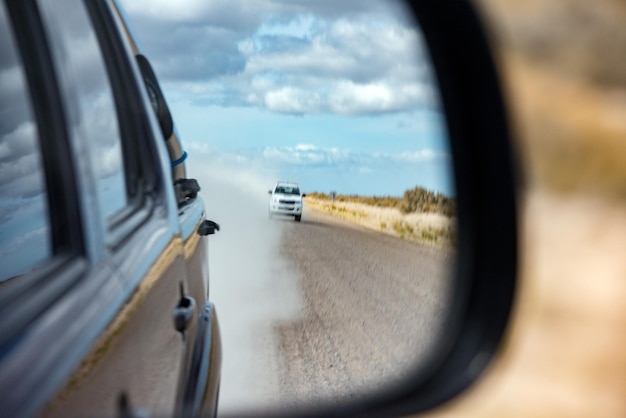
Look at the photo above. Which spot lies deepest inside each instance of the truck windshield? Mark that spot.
(288, 190)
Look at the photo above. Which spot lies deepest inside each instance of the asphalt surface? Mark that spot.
(315, 311)
(372, 306)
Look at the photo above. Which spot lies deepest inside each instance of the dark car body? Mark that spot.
(103, 261)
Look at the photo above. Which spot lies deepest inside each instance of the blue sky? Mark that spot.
(337, 95)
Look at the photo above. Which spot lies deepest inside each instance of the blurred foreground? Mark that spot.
(564, 73)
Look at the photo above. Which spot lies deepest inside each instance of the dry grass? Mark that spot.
(432, 228)
(378, 201)
(416, 199)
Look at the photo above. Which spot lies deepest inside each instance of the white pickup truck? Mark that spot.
(286, 199)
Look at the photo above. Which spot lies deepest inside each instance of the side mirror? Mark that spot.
(269, 192)
(303, 194)
(157, 99)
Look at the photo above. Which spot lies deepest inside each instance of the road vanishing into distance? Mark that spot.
(315, 311)
(372, 305)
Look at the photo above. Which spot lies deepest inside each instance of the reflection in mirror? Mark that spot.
(94, 115)
(340, 98)
(25, 240)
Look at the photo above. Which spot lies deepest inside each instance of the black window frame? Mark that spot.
(137, 137)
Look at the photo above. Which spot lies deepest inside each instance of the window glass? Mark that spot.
(94, 121)
(25, 240)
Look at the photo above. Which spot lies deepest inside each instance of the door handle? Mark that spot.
(183, 312)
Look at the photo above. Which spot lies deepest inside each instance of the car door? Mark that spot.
(140, 357)
(126, 353)
(59, 288)
(199, 383)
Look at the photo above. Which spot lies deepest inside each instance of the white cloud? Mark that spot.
(316, 59)
(292, 100)
(348, 67)
(171, 10)
(330, 168)
(305, 154)
(220, 13)
(290, 57)
(421, 156)
(305, 147)
(20, 163)
(354, 98)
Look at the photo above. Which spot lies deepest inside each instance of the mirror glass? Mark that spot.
(340, 98)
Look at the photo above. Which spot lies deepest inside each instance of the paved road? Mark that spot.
(371, 305)
(311, 310)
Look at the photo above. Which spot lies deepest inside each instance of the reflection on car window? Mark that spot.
(94, 123)
(24, 224)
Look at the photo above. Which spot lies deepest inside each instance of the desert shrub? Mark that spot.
(419, 199)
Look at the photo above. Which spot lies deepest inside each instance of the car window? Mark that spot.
(25, 233)
(94, 122)
(288, 190)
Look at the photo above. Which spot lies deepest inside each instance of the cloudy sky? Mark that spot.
(337, 95)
